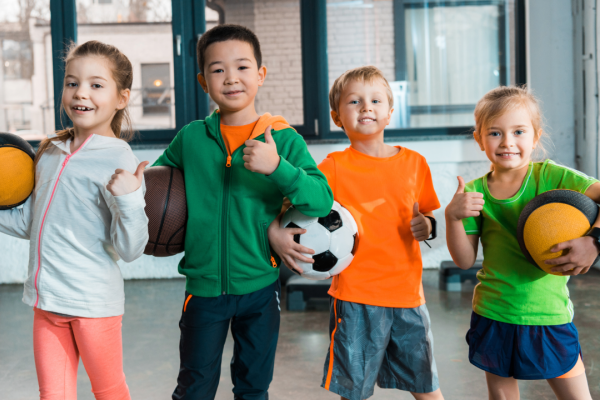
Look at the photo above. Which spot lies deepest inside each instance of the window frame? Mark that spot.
(191, 103)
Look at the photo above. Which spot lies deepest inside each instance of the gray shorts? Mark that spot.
(390, 346)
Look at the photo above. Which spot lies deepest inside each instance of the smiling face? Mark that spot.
(364, 109)
(510, 139)
(231, 75)
(90, 96)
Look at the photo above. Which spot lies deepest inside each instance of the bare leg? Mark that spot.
(500, 388)
(437, 395)
(575, 388)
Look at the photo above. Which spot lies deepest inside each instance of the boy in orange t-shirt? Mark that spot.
(379, 324)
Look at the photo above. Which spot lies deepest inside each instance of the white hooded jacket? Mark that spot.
(78, 229)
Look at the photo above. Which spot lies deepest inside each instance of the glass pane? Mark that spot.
(277, 25)
(142, 30)
(26, 97)
(359, 33)
(454, 53)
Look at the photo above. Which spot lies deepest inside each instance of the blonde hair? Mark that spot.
(498, 101)
(368, 74)
(122, 73)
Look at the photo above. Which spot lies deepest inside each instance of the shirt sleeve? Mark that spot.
(129, 223)
(428, 200)
(17, 221)
(472, 224)
(172, 156)
(299, 179)
(557, 176)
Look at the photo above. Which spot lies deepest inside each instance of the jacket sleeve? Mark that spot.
(299, 179)
(129, 224)
(17, 221)
(172, 156)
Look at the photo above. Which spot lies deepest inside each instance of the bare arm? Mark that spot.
(463, 247)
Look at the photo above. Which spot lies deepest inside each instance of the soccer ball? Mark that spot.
(331, 237)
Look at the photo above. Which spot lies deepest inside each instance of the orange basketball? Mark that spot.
(18, 172)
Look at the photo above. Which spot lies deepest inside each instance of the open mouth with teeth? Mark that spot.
(366, 120)
(79, 108)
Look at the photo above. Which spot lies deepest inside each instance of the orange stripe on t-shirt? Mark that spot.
(330, 370)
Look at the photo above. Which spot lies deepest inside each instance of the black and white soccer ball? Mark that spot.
(331, 237)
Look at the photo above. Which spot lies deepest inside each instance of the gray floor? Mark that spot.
(151, 335)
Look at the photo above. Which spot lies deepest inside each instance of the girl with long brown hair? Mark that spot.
(86, 212)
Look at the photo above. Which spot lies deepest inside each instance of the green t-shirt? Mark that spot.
(511, 289)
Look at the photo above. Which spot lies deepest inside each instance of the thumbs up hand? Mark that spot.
(419, 225)
(124, 182)
(464, 205)
(261, 157)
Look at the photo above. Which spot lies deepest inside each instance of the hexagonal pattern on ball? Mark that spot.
(342, 242)
(301, 220)
(316, 238)
(332, 221)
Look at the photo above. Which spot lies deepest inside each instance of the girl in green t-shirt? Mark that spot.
(521, 326)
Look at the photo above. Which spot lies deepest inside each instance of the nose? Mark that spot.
(507, 141)
(367, 106)
(231, 77)
(80, 93)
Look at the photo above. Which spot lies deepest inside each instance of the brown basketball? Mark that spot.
(166, 209)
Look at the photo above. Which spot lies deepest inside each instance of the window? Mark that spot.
(156, 89)
(440, 57)
(141, 30)
(26, 105)
(277, 25)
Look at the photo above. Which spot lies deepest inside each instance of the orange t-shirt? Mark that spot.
(380, 194)
(235, 136)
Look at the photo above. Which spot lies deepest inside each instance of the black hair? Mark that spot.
(221, 33)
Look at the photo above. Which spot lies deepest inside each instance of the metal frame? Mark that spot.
(191, 103)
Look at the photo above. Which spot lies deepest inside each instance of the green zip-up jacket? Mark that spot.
(229, 208)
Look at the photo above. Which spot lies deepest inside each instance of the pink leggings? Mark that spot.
(57, 343)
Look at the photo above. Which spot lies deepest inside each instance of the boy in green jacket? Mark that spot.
(238, 167)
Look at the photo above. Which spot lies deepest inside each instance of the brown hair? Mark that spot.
(122, 73)
(498, 101)
(222, 33)
(368, 74)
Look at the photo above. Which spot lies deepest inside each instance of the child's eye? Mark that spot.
(376, 101)
(353, 102)
(494, 133)
(96, 86)
(243, 67)
(71, 84)
(519, 132)
(217, 71)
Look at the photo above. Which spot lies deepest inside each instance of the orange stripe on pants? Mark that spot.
(330, 369)
(577, 370)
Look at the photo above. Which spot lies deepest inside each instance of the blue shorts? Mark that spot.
(522, 351)
(392, 347)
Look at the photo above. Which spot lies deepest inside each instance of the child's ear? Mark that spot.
(336, 119)
(390, 116)
(262, 75)
(202, 82)
(536, 138)
(477, 138)
(124, 100)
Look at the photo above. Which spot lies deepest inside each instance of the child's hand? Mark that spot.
(282, 241)
(124, 182)
(261, 157)
(420, 225)
(580, 256)
(464, 205)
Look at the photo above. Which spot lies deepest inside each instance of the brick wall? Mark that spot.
(277, 25)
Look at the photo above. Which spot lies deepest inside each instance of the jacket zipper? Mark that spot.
(224, 213)
(39, 246)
